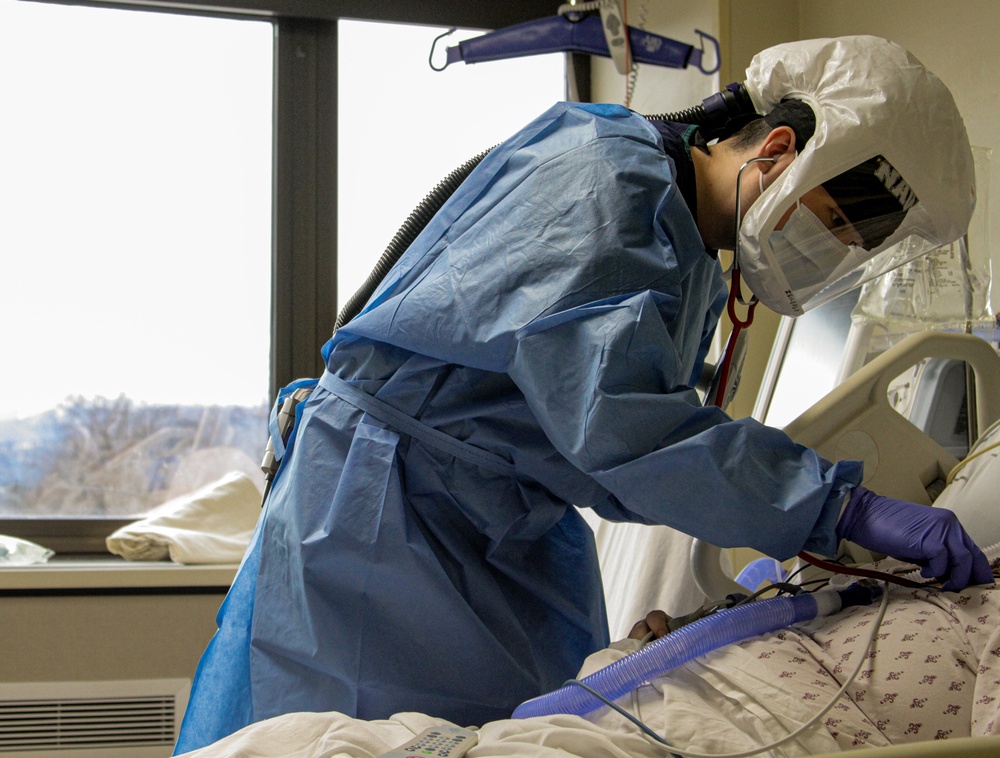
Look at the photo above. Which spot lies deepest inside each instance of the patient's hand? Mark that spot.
(655, 622)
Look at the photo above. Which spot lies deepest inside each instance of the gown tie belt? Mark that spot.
(415, 428)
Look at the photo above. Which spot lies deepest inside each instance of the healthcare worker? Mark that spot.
(533, 351)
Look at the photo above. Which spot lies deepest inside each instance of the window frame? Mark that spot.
(304, 199)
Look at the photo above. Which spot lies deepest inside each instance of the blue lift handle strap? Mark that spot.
(556, 34)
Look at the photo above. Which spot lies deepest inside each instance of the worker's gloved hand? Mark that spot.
(932, 538)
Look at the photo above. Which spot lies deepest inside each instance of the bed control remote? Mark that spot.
(437, 742)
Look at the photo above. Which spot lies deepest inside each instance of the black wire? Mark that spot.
(783, 588)
(797, 571)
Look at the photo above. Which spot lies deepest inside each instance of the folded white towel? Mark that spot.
(211, 525)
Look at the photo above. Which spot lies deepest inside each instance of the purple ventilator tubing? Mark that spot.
(675, 649)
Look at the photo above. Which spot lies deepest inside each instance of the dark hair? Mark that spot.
(793, 113)
(750, 135)
(873, 196)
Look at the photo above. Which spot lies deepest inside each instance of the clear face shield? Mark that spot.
(880, 181)
(841, 233)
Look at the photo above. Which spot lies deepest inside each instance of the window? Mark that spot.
(97, 253)
(403, 128)
(136, 195)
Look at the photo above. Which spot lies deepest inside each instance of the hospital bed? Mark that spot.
(855, 420)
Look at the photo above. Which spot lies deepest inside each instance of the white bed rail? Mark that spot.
(856, 421)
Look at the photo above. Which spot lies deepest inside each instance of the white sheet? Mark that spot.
(972, 495)
(643, 567)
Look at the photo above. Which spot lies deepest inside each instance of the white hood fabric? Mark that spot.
(870, 98)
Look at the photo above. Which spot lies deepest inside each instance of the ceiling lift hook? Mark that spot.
(430, 57)
(698, 57)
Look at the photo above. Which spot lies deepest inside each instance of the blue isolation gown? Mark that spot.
(532, 349)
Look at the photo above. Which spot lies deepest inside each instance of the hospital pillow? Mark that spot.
(212, 525)
(972, 492)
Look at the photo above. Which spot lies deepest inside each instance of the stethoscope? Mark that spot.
(736, 346)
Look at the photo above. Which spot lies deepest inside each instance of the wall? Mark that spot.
(71, 638)
(954, 40)
(103, 628)
(659, 89)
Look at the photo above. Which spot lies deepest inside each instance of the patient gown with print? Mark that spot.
(532, 351)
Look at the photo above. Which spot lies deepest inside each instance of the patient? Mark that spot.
(934, 673)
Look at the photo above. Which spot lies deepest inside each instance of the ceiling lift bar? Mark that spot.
(581, 31)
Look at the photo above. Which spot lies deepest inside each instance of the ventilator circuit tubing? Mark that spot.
(414, 224)
(689, 642)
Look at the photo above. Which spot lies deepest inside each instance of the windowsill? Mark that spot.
(108, 572)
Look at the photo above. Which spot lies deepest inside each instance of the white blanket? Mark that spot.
(211, 525)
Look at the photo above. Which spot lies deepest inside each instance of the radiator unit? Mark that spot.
(133, 719)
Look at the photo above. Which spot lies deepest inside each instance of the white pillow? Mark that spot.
(212, 525)
(974, 492)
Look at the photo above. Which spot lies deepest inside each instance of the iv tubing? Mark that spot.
(691, 641)
(701, 637)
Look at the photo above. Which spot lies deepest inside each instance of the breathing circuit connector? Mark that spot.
(860, 593)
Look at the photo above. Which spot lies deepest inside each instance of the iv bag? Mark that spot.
(942, 289)
(948, 289)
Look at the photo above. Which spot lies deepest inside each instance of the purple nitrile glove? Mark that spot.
(932, 538)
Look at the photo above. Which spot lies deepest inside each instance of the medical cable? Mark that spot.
(961, 464)
(867, 573)
(645, 729)
(681, 753)
(726, 389)
(633, 72)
